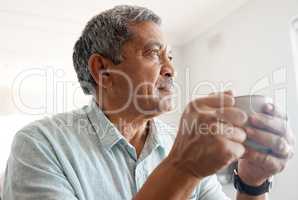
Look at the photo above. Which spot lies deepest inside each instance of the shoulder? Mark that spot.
(54, 127)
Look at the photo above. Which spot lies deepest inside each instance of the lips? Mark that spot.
(166, 88)
(166, 85)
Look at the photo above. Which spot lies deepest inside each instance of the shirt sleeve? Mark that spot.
(33, 172)
(211, 189)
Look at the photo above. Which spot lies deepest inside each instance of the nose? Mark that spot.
(167, 69)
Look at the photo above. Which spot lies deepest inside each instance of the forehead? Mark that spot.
(146, 34)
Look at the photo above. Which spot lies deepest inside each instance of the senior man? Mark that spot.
(114, 148)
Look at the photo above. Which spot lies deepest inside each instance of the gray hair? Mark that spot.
(105, 34)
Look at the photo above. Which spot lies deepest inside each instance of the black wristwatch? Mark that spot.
(242, 187)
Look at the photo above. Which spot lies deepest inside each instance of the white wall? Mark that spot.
(251, 44)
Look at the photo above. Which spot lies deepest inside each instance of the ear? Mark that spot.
(98, 68)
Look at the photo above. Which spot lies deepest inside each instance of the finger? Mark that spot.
(274, 110)
(230, 132)
(227, 92)
(232, 115)
(215, 101)
(195, 123)
(270, 164)
(203, 104)
(290, 137)
(230, 149)
(277, 144)
(273, 124)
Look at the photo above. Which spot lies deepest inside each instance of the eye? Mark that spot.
(170, 57)
(154, 52)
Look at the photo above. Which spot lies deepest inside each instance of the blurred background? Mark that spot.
(247, 45)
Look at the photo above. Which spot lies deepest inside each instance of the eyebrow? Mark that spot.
(152, 44)
(159, 45)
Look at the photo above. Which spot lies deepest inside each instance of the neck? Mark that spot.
(130, 127)
(134, 130)
(133, 127)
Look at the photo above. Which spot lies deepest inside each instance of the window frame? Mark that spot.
(294, 42)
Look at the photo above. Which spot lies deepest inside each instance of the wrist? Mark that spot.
(167, 182)
(257, 191)
(177, 168)
(250, 179)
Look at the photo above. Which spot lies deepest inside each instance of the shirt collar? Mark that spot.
(108, 134)
(154, 136)
(163, 134)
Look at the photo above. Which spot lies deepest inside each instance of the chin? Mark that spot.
(166, 105)
(162, 107)
(154, 108)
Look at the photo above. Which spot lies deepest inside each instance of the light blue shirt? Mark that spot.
(80, 155)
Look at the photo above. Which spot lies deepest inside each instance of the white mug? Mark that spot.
(253, 104)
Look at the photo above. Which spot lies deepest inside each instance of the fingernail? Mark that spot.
(282, 147)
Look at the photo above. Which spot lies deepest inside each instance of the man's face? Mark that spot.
(143, 80)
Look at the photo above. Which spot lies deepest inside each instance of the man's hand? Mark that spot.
(209, 137)
(271, 130)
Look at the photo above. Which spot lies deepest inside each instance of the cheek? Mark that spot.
(122, 85)
(151, 85)
(142, 75)
(146, 80)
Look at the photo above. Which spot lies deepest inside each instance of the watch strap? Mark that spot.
(242, 187)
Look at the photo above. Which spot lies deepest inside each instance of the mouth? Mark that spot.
(166, 88)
